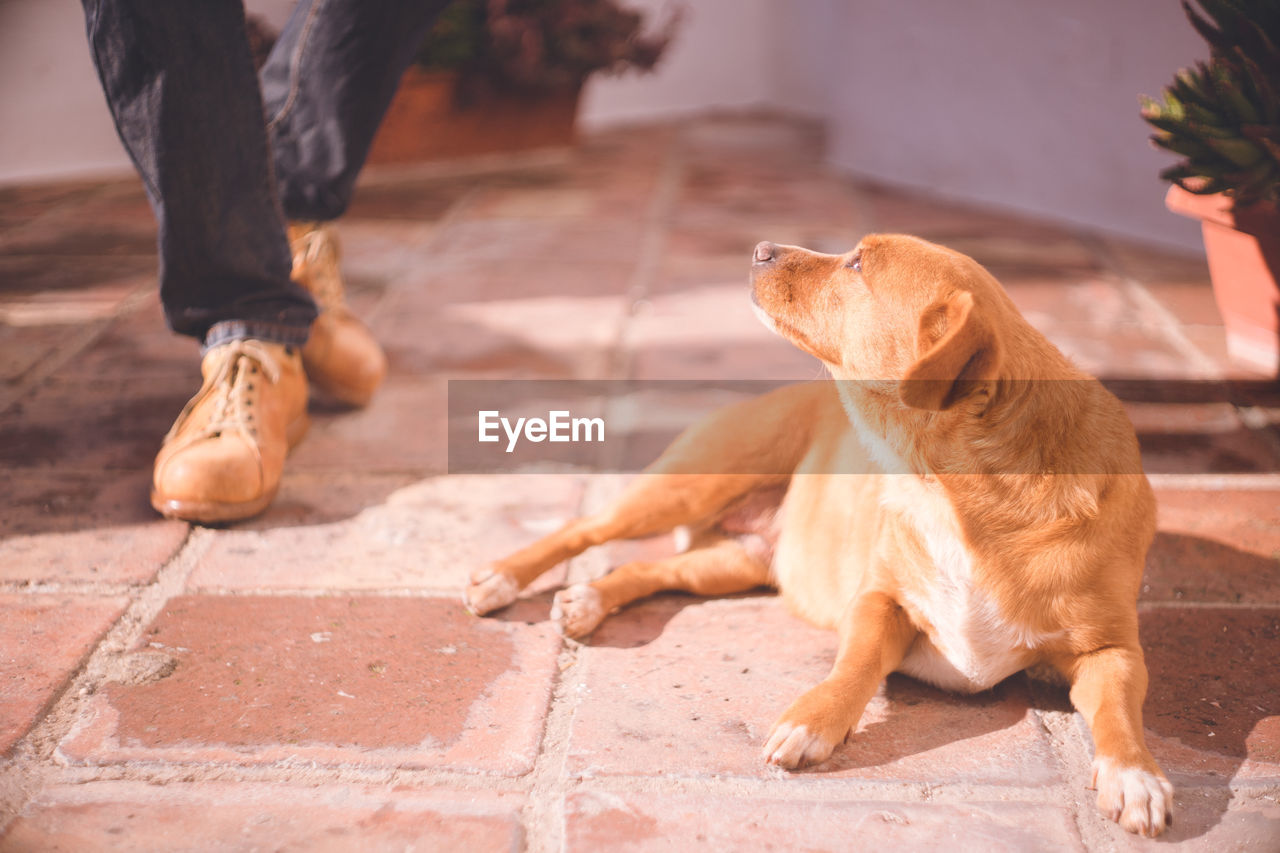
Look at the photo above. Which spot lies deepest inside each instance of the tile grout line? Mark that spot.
(1170, 328)
(1074, 754)
(287, 773)
(1175, 604)
(1253, 481)
(451, 216)
(58, 209)
(653, 241)
(803, 787)
(1165, 322)
(450, 592)
(35, 760)
(1248, 481)
(85, 337)
(544, 815)
(474, 167)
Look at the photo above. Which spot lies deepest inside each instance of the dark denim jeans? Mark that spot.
(225, 160)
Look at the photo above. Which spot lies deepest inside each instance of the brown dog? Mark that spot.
(1007, 529)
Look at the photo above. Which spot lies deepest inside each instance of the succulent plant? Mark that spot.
(1223, 115)
(540, 45)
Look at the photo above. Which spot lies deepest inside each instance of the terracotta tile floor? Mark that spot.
(308, 680)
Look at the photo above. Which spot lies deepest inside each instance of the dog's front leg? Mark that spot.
(1107, 687)
(875, 634)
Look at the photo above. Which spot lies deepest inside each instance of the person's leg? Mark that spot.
(327, 83)
(180, 83)
(181, 87)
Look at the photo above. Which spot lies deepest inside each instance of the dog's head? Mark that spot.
(895, 309)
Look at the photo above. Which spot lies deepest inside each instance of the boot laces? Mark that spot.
(234, 387)
(315, 263)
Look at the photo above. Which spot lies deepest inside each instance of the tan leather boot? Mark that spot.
(223, 457)
(341, 357)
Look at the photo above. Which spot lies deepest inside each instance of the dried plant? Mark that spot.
(541, 45)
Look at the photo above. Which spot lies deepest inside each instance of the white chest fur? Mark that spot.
(968, 645)
(881, 452)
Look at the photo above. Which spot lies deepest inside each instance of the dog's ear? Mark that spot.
(957, 353)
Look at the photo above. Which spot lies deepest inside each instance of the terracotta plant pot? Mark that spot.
(1243, 247)
(426, 121)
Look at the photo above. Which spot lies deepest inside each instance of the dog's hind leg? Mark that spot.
(737, 450)
(653, 503)
(719, 568)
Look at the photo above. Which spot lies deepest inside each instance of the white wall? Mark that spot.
(57, 125)
(721, 57)
(1027, 104)
(808, 48)
(728, 54)
(53, 121)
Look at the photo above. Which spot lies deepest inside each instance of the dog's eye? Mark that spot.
(855, 263)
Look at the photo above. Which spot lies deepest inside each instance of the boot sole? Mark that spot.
(351, 396)
(355, 395)
(217, 512)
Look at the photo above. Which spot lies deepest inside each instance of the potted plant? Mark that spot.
(1223, 117)
(505, 75)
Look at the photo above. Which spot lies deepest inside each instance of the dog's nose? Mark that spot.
(764, 252)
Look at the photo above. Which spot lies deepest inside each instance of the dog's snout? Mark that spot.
(764, 252)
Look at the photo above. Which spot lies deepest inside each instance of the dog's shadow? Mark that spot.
(910, 718)
(1212, 709)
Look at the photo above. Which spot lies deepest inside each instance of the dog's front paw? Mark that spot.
(793, 746)
(577, 610)
(489, 591)
(1138, 799)
(809, 731)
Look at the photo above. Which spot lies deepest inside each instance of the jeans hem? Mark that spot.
(238, 330)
